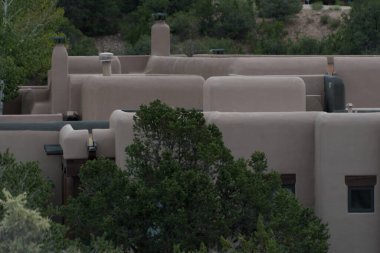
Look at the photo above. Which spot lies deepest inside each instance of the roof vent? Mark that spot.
(159, 16)
(105, 59)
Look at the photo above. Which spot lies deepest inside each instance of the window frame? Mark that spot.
(366, 182)
(289, 182)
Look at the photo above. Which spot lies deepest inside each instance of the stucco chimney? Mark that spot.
(160, 36)
(59, 77)
(105, 59)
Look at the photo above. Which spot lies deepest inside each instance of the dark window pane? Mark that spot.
(361, 199)
(290, 187)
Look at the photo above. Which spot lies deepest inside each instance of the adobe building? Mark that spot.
(319, 129)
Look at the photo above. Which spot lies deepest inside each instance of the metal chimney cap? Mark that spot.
(105, 56)
(59, 39)
(159, 16)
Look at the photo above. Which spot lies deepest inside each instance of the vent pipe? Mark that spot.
(105, 59)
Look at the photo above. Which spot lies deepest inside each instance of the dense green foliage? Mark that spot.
(24, 224)
(183, 188)
(198, 26)
(26, 28)
(93, 17)
(77, 42)
(27, 178)
(203, 46)
(279, 8)
(100, 207)
(360, 33)
(21, 229)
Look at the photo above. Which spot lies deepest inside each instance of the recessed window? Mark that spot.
(289, 182)
(361, 197)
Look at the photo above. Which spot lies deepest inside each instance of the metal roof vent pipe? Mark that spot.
(160, 36)
(349, 107)
(105, 59)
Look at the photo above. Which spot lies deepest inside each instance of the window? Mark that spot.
(361, 197)
(289, 182)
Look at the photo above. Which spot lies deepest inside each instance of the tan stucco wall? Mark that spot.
(122, 125)
(102, 95)
(361, 79)
(29, 146)
(133, 63)
(347, 144)
(313, 84)
(76, 81)
(273, 65)
(35, 100)
(73, 142)
(254, 94)
(220, 66)
(90, 65)
(105, 142)
(205, 67)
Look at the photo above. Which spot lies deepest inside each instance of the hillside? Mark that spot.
(316, 24)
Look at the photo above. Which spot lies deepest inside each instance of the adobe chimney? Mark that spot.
(59, 76)
(160, 36)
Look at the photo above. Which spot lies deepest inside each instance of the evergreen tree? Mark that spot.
(26, 29)
(182, 188)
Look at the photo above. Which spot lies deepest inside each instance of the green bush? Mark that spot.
(324, 19)
(317, 6)
(279, 9)
(235, 19)
(141, 47)
(17, 178)
(184, 25)
(137, 23)
(269, 38)
(359, 33)
(261, 241)
(203, 46)
(25, 230)
(334, 24)
(78, 43)
(101, 205)
(305, 46)
(25, 44)
(21, 229)
(93, 18)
